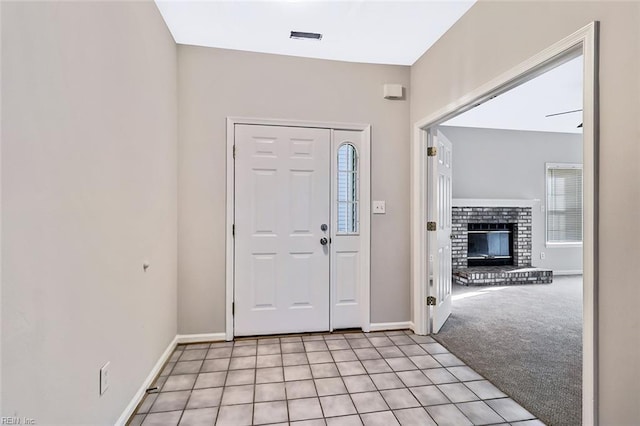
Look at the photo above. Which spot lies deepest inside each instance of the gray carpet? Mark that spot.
(527, 340)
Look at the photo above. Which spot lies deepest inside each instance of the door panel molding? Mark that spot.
(230, 207)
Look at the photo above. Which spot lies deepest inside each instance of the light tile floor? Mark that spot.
(351, 378)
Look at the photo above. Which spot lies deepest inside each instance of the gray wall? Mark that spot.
(214, 84)
(89, 182)
(89, 176)
(510, 164)
(495, 36)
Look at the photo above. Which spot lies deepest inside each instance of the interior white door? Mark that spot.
(440, 195)
(282, 201)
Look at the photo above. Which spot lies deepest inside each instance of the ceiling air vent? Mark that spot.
(300, 35)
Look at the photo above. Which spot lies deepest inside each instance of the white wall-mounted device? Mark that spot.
(393, 91)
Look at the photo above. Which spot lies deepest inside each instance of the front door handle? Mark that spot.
(323, 241)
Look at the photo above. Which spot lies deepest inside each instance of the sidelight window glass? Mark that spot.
(347, 201)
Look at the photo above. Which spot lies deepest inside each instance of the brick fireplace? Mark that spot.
(518, 217)
(500, 244)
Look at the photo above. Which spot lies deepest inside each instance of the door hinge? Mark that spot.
(431, 301)
(431, 226)
(233, 308)
(432, 151)
(234, 151)
(233, 230)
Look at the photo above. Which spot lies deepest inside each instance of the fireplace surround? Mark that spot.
(518, 218)
(491, 245)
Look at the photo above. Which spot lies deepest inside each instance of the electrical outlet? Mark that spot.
(104, 377)
(541, 255)
(379, 207)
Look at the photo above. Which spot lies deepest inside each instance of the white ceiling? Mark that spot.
(525, 107)
(381, 32)
(373, 31)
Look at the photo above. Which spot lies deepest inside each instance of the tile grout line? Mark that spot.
(194, 383)
(405, 385)
(286, 402)
(224, 384)
(389, 365)
(253, 393)
(342, 378)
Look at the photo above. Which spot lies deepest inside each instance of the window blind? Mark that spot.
(564, 204)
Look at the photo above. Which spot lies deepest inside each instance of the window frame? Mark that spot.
(560, 166)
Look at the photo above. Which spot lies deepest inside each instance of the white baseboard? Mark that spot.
(197, 338)
(386, 326)
(567, 272)
(147, 382)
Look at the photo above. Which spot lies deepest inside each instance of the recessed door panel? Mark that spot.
(264, 281)
(264, 147)
(301, 148)
(347, 271)
(264, 211)
(301, 293)
(301, 202)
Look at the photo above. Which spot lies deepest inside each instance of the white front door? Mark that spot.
(282, 200)
(439, 201)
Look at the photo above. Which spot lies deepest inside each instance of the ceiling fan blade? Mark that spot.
(564, 112)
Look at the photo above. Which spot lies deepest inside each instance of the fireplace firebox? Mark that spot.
(490, 244)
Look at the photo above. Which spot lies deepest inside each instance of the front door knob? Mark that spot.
(323, 241)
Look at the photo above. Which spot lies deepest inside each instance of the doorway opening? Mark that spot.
(525, 301)
(427, 255)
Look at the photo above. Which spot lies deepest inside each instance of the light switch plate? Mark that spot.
(379, 207)
(104, 378)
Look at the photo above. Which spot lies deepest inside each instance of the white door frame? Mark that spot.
(585, 42)
(365, 219)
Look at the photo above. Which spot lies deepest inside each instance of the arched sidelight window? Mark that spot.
(348, 219)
